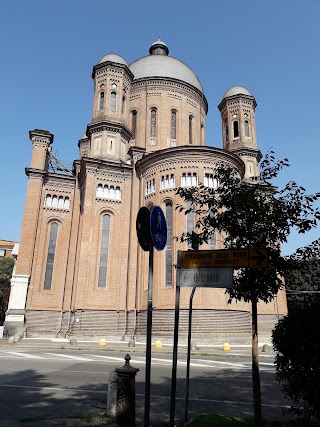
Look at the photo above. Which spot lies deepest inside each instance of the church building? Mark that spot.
(80, 270)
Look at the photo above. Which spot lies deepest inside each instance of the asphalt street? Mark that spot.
(44, 382)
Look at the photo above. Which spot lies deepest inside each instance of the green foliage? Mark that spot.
(303, 283)
(296, 339)
(6, 267)
(252, 214)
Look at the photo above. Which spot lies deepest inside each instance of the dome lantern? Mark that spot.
(159, 48)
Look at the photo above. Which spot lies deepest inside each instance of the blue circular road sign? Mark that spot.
(158, 228)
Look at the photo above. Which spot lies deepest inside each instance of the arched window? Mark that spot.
(66, 203)
(48, 200)
(168, 251)
(236, 129)
(134, 123)
(227, 133)
(50, 256)
(246, 129)
(190, 129)
(99, 190)
(153, 123)
(173, 124)
(60, 202)
(104, 251)
(101, 101)
(123, 109)
(113, 101)
(54, 201)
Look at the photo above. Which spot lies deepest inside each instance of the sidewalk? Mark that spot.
(112, 344)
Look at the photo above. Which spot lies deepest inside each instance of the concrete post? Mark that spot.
(126, 403)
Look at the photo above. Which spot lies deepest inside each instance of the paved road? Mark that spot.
(44, 382)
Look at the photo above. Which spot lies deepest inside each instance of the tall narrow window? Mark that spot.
(168, 253)
(104, 250)
(113, 101)
(134, 123)
(236, 129)
(123, 109)
(101, 101)
(153, 123)
(190, 221)
(246, 129)
(190, 130)
(173, 124)
(50, 256)
(227, 133)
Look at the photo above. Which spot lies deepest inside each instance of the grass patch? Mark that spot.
(91, 418)
(224, 421)
(96, 419)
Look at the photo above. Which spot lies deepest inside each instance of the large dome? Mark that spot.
(161, 65)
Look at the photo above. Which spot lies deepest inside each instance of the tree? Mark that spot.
(6, 267)
(303, 276)
(296, 337)
(252, 214)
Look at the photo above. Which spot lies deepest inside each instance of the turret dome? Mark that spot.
(236, 90)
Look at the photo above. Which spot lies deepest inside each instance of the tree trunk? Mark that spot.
(255, 368)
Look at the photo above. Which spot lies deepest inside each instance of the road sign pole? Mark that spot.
(148, 345)
(188, 356)
(175, 347)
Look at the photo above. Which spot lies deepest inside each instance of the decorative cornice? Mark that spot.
(60, 210)
(112, 201)
(98, 167)
(109, 126)
(184, 88)
(188, 156)
(237, 99)
(58, 188)
(35, 173)
(41, 137)
(250, 152)
(108, 65)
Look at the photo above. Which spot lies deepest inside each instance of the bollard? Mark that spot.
(158, 344)
(266, 348)
(112, 394)
(102, 342)
(126, 399)
(73, 341)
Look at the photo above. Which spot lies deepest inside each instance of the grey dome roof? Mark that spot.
(113, 57)
(236, 90)
(164, 66)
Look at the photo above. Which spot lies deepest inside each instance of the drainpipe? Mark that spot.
(74, 269)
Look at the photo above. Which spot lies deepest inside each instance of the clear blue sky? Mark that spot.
(48, 49)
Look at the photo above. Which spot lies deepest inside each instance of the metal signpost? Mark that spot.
(206, 277)
(151, 229)
(209, 269)
(225, 258)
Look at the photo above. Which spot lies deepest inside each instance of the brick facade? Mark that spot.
(146, 136)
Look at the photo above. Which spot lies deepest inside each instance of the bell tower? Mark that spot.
(237, 110)
(108, 133)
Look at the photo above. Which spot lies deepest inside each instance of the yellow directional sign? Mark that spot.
(224, 258)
